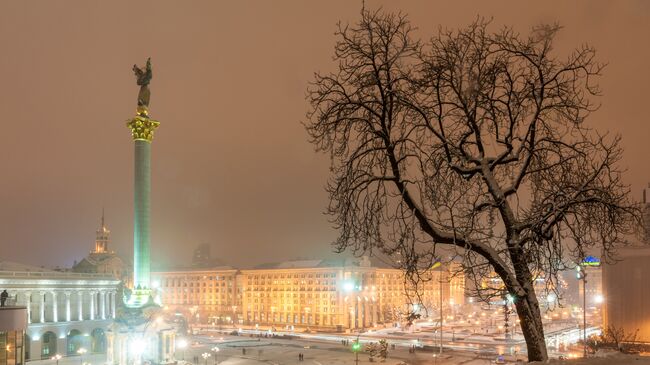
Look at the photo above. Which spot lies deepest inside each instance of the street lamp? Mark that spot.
(81, 353)
(356, 347)
(216, 354)
(205, 356)
(57, 357)
(182, 344)
(582, 275)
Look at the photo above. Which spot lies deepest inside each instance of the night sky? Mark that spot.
(231, 165)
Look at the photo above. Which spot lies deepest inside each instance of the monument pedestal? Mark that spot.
(141, 336)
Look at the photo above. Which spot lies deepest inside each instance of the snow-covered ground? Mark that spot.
(605, 358)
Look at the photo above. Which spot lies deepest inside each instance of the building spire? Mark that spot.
(102, 237)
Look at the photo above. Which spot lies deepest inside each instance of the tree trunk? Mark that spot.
(531, 324)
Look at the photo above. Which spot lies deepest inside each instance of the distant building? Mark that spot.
(593, 286)
(65, 310)
(201, 258)
(104, 261)
(626, 285)
(490, 288)
(203, 295)
(341, 294)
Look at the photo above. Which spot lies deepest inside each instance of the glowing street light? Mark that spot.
(348, 286)
(182, 344)
(216, 354)
(81, 353)
(57, 357)
(599, 299)
(205, 356)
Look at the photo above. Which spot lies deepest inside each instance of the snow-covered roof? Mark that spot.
(14, 266)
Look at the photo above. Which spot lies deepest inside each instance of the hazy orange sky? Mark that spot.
(231, 163)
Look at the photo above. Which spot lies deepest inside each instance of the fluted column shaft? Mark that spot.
(55, 309)
(92, 306)
(41, 306)
(67, 307)
(102, 305)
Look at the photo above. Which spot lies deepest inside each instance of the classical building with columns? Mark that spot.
(334, 294)
(66, 311)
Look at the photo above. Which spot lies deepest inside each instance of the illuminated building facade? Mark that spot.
(491, 288)
(626, 287)
(202, 295)
(13, 324)
(341, 294)
(65, 311)
(626, 292)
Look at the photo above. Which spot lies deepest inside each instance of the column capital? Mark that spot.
(142, 127)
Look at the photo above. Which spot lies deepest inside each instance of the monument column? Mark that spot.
(142, 128)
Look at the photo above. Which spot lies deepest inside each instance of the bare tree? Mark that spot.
(475, 142)
(617, 338)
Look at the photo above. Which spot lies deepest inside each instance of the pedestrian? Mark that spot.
(3, 298)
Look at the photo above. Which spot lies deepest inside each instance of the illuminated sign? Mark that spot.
(590, 261)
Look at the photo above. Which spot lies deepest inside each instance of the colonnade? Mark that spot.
(45, 306)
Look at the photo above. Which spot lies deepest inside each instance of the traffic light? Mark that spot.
(356, 346)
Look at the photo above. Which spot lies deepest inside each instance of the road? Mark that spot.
(275, 350)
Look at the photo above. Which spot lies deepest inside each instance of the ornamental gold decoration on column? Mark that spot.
(142, 127)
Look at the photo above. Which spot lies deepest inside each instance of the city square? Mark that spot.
(324, 183)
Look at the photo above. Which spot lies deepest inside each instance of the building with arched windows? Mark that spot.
(65, 311)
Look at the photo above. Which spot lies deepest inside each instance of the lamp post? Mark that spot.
(205, 356)
(582, 275)
(441, 319)
(81, 353)
(216, 354)
(356, 347)
(57, 357)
